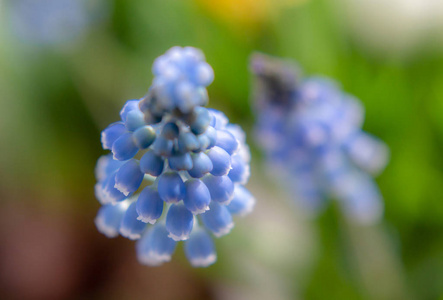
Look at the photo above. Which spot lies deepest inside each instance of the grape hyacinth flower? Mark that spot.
(310, 132)
(177, 170)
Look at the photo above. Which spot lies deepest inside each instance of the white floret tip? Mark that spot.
(103, 228)
(147, 220)
(177, 238)
(128, 234)
(204, 261)
(153, 258)
(224, 230)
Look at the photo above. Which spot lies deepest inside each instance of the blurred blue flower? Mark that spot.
(48, 22)
(174, 165)
(310, 131)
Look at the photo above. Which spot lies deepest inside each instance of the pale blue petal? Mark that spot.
(109, 217)
(130, 226)
(149, 205)
(200, 249)
(218, 219)
(155, 247)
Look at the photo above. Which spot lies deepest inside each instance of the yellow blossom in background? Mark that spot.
(247, 13)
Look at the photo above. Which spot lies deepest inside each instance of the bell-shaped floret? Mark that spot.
(219, 119)
(201, 120)
(124, 147)
(129, 106)
(155, 247)
(347, 119)
(197, 196)
(200, 249)
(220, 187)
(331, 162)
(187, 141)
(130, 226)
(237, 132)
(111, 134)
(239, 172)
(203, 141)
(149, 205)
(193, 55)
(151, 164)
(367, 152)
(204, 75)
(316, 90)
(221, 161)
(129, 177)
(134, 120)
(160, 64)
(188, 96)
(227, 141)
(218, 219)
(201, 165)
(144, 136)
(359, 196)
(314, 134)
(179, 222)
(106, 192)
(244, 153)
(163, 146)
(180, 162)
(109, 217)
(170, 131)
(171, 187)
(211, 135)
(163, 89)
(242, 203)
(106, 166)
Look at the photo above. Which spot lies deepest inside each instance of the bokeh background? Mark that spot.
(66, 68)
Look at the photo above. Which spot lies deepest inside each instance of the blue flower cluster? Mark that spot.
(174, 164)
(310, 131)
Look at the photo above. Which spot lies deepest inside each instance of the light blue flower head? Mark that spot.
(310, 131)
(177, 170)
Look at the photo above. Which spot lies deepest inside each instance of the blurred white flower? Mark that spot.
(395, 27)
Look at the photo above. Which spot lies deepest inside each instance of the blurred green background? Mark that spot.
(57, 95)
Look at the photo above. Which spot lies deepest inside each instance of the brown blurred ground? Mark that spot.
(60, 255)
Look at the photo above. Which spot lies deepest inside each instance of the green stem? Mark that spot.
(379, 268)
